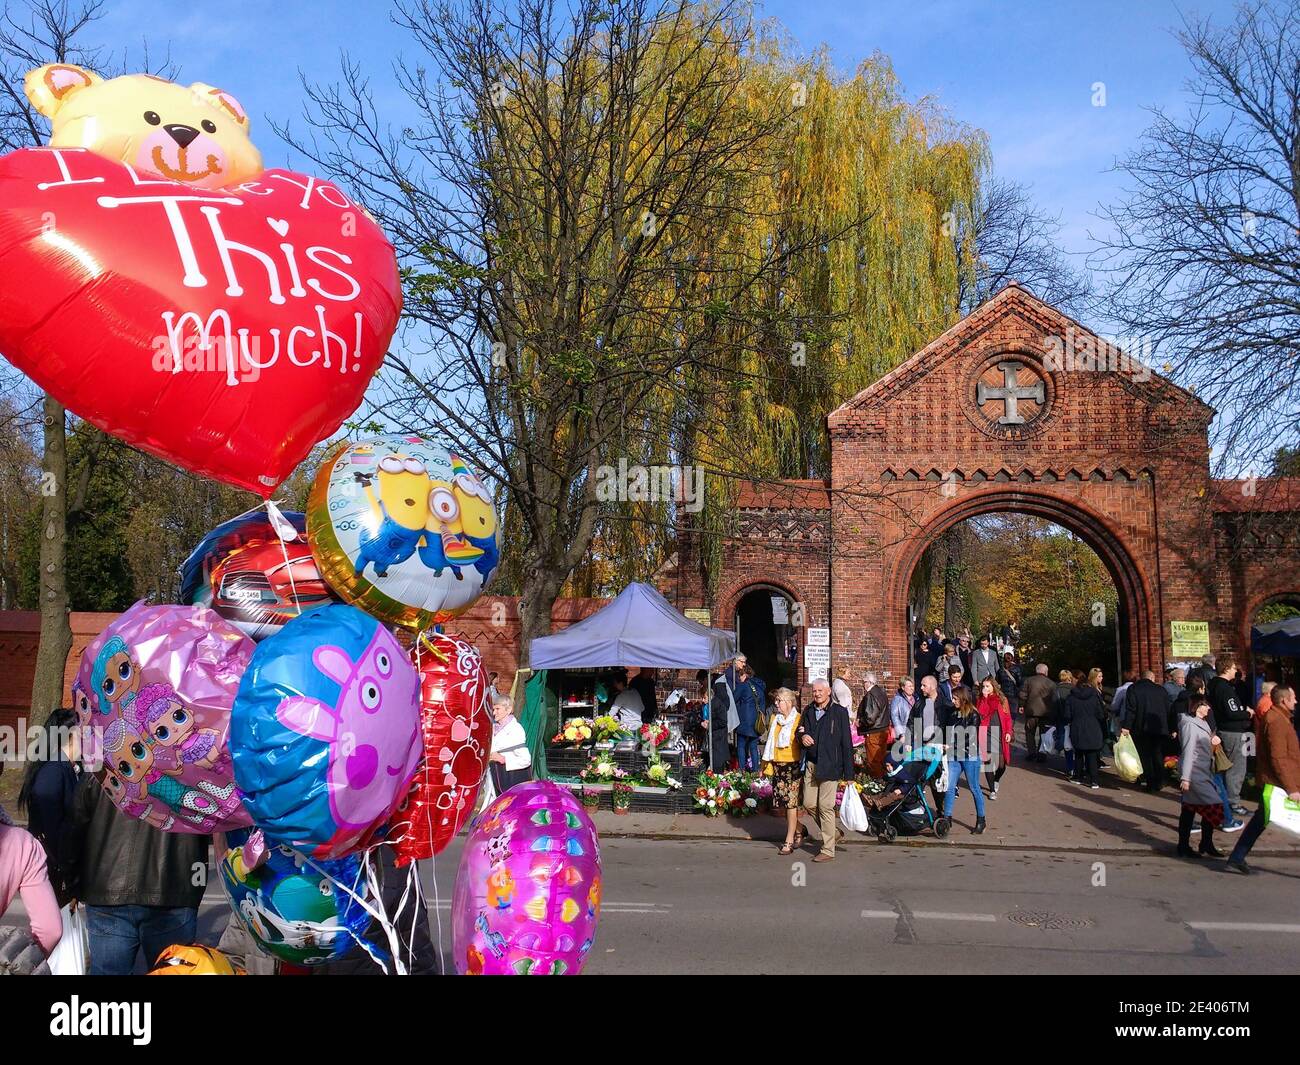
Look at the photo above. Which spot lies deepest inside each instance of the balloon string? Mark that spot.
(376, 912)
(293, 588)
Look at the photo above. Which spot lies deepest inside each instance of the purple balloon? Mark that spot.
(153, 694)
(527, 898)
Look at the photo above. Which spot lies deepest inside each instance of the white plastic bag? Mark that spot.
(1127, 761)
(1279, 810)
(852, 812)
(1047, 745)
(73, 949)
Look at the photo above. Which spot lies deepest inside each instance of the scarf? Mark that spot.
(779, 734)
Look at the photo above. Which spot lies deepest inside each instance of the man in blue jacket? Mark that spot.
(827, 744)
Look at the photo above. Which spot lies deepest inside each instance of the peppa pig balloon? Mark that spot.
(155, 690)
(527, 897)
(325, 731)
(457, 729)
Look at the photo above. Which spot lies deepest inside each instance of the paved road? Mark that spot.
(722, 907)
(692, 907)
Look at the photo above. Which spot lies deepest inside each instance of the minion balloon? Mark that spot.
(403, 529)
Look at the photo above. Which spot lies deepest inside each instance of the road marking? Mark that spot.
(1241, 926)
(929, 915)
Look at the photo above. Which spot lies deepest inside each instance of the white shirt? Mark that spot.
(511, 742)
(628, 708)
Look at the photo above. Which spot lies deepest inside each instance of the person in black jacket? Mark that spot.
(1232, 721)
(960, 721)
(1086, 715)
(47, 793)
(827, 744)
(141, 886)
(1148, 715)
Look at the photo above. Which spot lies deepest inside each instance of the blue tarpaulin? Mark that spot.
(1280, 638)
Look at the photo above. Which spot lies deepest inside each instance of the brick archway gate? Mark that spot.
(1139, 631)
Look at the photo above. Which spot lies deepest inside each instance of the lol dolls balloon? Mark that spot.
(404, 529)
(155, 690)
(527, 897)
(325, 731)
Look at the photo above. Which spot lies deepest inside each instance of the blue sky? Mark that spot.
(1022, 71)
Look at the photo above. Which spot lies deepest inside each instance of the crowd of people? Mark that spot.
(965, 696)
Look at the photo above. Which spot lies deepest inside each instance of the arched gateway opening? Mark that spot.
(766, 624)
(1136, 627)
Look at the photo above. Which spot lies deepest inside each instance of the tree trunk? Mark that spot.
(953, 571)
(56, 632)
(535, 605)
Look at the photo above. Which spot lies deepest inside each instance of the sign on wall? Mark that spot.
(817, 660)
(700, 614)
(819, 637)
(1189, 639)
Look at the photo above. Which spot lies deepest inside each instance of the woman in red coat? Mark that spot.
(995, 733)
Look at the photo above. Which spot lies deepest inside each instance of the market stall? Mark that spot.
(641, 768)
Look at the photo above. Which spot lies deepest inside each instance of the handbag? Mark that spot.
(1222, 763)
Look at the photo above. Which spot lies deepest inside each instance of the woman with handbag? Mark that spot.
(995, 733)
(783, 762)
(961, 727)
(48, 790)
(1199, 748)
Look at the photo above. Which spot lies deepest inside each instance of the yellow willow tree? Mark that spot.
(894, 181)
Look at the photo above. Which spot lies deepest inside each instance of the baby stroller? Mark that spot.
(902, 808)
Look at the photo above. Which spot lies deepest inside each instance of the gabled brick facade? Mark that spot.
(1107, 448)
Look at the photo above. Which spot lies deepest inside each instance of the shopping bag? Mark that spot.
(1279, 810)
(1222, 763)
(1128, 763)
(1068, 745)
(852, 812)
(1047, 745)
(73, 950)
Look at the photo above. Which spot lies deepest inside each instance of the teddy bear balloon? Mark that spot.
(198, 136)
(160, 283)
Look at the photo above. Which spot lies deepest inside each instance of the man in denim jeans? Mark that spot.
(141, 886)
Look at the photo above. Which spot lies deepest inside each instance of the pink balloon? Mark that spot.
(154, 692)
(527, 897)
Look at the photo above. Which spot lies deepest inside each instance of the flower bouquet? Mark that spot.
(576, 733)
(653, 736)
(623, 790)
(606, 729)
(590, 798)
(602, 769)
(710, 790)
(656, 774)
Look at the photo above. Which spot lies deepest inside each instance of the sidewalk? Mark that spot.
(1036, 809)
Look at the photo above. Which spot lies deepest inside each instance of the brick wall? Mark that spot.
(1116, 454)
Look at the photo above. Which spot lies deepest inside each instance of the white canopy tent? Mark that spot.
(638, 628)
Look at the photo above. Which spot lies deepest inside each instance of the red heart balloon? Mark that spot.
(456, 727)
(225, 330)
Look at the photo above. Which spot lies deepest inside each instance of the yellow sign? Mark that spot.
(699, 613)
(1189, 639)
